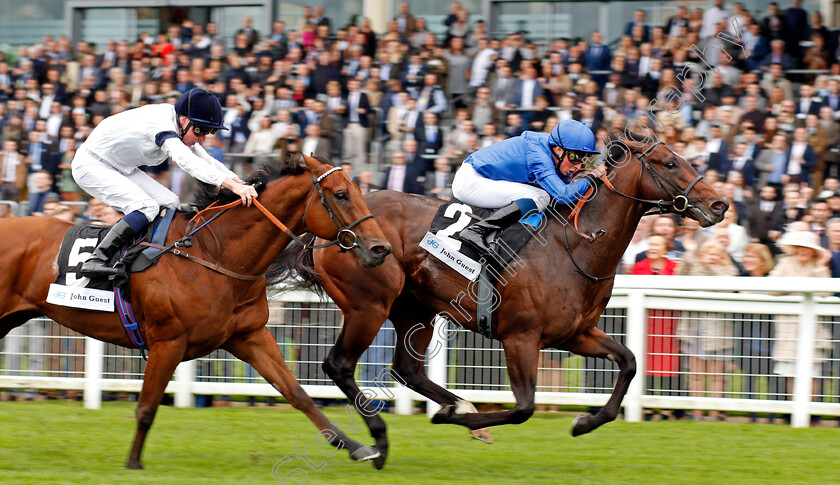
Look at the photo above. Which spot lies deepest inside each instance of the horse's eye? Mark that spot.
(671, 165)
(341, 195)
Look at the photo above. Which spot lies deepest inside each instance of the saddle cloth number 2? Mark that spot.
(460, 223)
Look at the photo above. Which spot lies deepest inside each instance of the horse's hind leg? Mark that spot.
(260, 349)
(595, 343)
(360, 328)
(164, 357)
(414, 326)
(522, 355)
(14, 320)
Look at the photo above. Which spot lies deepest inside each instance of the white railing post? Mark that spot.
(437, 361)
(403, 403)
(636, 340)
(804, 378)
(94, 355)
(184, 377)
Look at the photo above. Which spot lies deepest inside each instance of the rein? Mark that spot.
(679, 203)
(346, 239)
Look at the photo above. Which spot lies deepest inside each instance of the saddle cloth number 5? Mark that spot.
(78, 257)
(460, 223)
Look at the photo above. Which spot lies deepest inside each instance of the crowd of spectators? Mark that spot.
(763, 136)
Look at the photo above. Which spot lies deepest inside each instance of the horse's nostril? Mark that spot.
(719, 207)
(380, 249)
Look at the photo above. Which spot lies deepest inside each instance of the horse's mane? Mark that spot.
(265, 173)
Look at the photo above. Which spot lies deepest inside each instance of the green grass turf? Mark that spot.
(60, 442)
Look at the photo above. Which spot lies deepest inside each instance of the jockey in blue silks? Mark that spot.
(498, 176)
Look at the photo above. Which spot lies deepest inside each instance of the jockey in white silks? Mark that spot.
(107, 165)
(499, 176)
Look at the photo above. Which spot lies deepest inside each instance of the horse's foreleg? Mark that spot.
(521, 355)
(596, 343)
(260, 350)
(356, 335)
(164, 357)
(409, 363)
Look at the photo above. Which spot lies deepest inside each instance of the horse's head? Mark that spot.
(337, 211)
(665, 180)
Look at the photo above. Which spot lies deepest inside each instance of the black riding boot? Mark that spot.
(476, 234)
(97, 264)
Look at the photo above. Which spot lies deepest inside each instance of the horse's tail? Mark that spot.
(295, 267)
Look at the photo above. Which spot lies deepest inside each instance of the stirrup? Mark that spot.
(96, 268)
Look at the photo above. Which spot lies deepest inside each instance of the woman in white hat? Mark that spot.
(805, 257)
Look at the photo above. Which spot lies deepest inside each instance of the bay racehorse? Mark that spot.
(185, 310)
(547, 303)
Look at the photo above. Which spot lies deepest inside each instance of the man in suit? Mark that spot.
(250, 32)
(313, 142)
(767, 217)
(833, 98)
(808, 103)
(13, 172)
(404, 177)
(718, 150)
(439, 181)
(431, 96)
(501, 88)
(742, 162)
(796, 23)
(832, 141)
(638, 19)
(588, 117)
(357, 123)
(526, 89)
(428, 134)
(598, 58)
(405, 21)
(40, 153)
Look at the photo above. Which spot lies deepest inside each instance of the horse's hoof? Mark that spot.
(581, 425)
(365, 453)
(482, 434)
(443, 415)
(134, 465)
(379, 461)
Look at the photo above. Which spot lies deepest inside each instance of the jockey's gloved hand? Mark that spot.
(246, 192)
(595, 174)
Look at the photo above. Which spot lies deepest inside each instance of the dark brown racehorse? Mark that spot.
(546, 304)
(186, 310)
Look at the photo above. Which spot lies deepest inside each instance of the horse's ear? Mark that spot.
(295, 162)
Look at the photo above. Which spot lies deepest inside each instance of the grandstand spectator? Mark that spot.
(13, 171)
(755, 330)
(428, 134)
(404, 177)
(356, 121)
(805, 257)
(663, 349)
(707, 338)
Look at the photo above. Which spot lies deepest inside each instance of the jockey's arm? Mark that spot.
(201, 152)
(195, 165)
(541, 165)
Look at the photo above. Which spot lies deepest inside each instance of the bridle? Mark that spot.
(345, 232)
(679, 203)
(346, 239)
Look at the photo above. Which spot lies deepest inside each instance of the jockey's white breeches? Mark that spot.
(125, 193)
(474, 189)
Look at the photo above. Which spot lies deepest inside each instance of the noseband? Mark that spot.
(346, 238)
